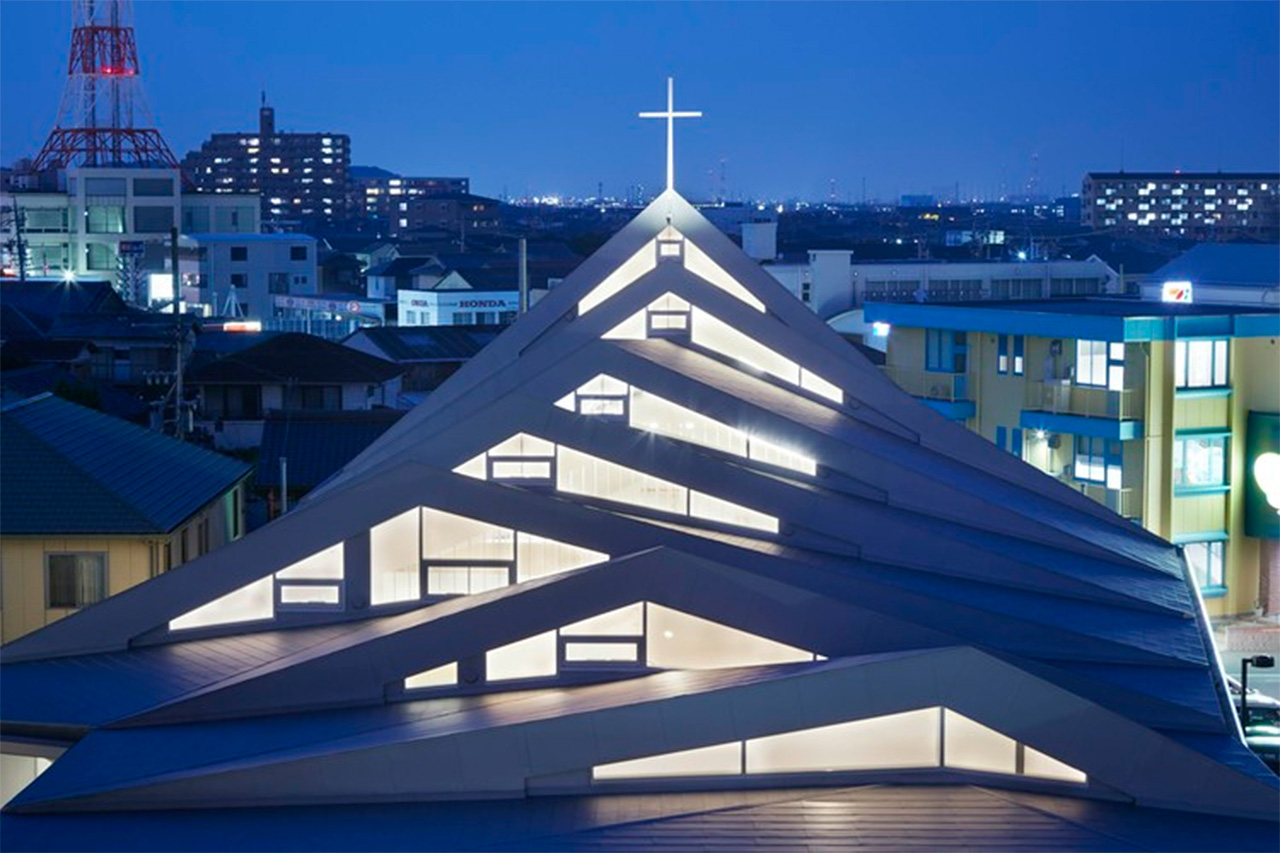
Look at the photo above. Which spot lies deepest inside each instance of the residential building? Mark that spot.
(667, 534)
(1143, 406)
(1198, 205)
(115, 223)
(302, 449)
(93, 505)
(383, 196)
(241, 275)
(126, 346)
(456, 212)
(287, 372)
(482, 297)
(430, 354)
(301, 178)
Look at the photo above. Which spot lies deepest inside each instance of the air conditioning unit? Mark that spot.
(1054, 440)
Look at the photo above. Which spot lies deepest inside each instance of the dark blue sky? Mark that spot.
(541, 97)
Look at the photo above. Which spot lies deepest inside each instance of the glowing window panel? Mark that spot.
(538, 557)
(677, 640)
(669, 322)
(720, 337)
(582, 474)
(653, 413)
(601, 652)
(309, 594)
(604, 385)
(521, 470)
(633, 268)
(394, 559)
(252, 602)
(911, 739)
(567, 402)
(624, 622)
(973, 746)
(446, 536)
(633, 328)
(523, 444)
(532, 657)
(1035, 763)
(775, 454)
(441, 676)
(700, 264)
(599, 407)
(812, 382)
(670, 303)
(465, 580)
(716, 509)
(474, 467)
(724, 759)
(326, 565)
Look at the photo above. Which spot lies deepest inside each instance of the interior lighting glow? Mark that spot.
(880, 329)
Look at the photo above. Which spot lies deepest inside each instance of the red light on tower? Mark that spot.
(103, 119)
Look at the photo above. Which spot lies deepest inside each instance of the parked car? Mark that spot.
(1262, 729)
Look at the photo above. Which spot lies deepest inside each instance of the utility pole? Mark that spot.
(523, 305)
(179, 404)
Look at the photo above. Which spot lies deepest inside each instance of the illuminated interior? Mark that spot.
(925, 738)
(605, 396)
(669, 245)
(718, 336)
(578, 473)
(643, 634)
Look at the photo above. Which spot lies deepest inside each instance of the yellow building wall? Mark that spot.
(22, 563)
(1255, 386)
(22, 566)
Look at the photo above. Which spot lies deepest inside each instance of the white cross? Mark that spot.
(671, 115)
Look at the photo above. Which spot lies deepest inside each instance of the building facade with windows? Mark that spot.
(384, 197)
(93, 505)
(1199, 205)
(1142, 406)
(668, 533)
(832, 284)
(301, 178)
(115, 223)
(240, 275)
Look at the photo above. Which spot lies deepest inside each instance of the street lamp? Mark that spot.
(1261, 662)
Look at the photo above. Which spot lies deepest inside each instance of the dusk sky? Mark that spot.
(541, 98)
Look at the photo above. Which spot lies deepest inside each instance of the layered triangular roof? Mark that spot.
(770, 544)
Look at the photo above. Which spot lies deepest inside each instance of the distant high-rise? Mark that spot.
(1199, 205)
(303, 177)
(385, 197)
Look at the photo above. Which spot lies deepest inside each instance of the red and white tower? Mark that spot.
(103, 119)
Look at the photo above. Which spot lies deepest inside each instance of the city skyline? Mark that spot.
(800, 101)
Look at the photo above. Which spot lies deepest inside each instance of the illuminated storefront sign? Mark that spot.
(1262, 476)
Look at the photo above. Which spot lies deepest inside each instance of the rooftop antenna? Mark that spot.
(671, 115)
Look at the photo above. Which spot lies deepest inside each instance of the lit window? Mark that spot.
(251, 602)
(1206, 562)
(1199, 462)
(720, 337)
(1201, 363)
(1099, 460)
(637, 265)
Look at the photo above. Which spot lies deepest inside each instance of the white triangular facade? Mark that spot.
(667, 529)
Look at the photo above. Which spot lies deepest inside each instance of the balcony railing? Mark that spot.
(1061, 397)
(1126, 503)
(928, 384)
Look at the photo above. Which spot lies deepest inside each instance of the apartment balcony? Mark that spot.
(946, 393)
(1127, 503)
(1060, 406)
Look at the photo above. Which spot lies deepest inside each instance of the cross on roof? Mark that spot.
(671, 115)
